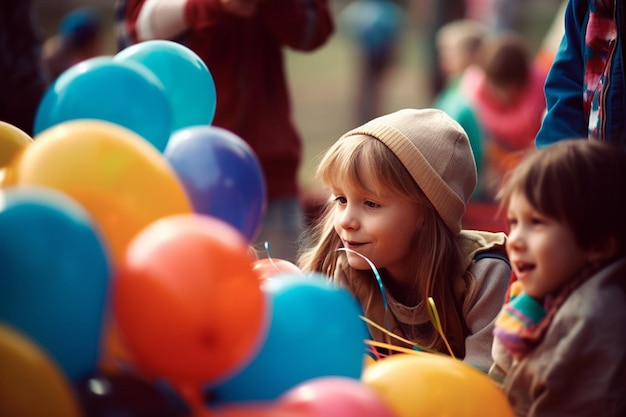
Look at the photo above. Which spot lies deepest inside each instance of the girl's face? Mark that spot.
(377, 224)
(543, 251)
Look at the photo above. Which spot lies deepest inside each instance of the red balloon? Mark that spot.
(334, 396)
(188, 306)
(270, 267)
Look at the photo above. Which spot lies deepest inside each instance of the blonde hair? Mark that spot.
(437, 257)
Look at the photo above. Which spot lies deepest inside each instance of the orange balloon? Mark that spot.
(270, 267)
(118, 176)
(31, 384)
(12, 140)
(433, 385)
(188, 305)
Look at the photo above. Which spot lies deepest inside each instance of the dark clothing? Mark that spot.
(23, 80)
(586, 86)
(245, 58)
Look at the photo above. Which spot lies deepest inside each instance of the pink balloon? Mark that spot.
(270, 267)
(335, 396)
(267, 409)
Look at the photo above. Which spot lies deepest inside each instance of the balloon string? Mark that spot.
(269, 256)
(378, 355)
(432, 310)
(393, 347)
(434, 318)
(395, 336)
(378, 279)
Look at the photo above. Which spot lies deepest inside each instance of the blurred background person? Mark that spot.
(458, 43)
(374, 26)
(443, 11)
(586, 83)
(80, 36)
(243, 44)
(505, 87)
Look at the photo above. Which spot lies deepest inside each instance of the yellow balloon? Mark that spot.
(118, 176)
(367, 361)
(432, 385)
(12, 140)
(31, 385)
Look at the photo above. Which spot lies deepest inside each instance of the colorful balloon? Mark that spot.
(31, 384)
(186, 301)
(428, 384)
(221, 175)
(271, 267)
(55, 275)
(315, 331)
(267, 409)
(12, 140)
(124, 93)
(333, 396)
(123, 181)
(187, 82)
(104, 394)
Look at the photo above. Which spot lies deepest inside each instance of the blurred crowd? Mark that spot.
(483, 71)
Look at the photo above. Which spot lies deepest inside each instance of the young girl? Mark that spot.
(391, 233)
(559, 344)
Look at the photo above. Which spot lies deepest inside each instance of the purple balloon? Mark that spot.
(221, 175)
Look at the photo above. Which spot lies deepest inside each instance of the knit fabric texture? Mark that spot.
(436, 151)
(517, 320)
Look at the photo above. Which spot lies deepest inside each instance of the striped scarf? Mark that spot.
(523, 321)
(600, 44)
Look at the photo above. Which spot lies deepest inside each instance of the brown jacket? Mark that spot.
(579, 369)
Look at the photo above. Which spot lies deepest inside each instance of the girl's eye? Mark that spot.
(512, 222)
(341, 199)
(371, 204)
(537, 221)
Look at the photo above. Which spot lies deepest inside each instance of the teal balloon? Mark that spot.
(55, 275)
(314, 331)
(124, 93)
(186, 79)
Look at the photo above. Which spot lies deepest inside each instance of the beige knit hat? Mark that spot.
(435, 150)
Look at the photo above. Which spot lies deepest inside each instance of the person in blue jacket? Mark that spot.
(585, 89)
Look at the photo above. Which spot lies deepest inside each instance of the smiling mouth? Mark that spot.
(524, 268)
(352, 245)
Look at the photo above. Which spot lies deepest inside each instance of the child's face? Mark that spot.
(377, 224)
(543, 251)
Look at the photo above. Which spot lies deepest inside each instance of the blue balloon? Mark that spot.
(221, 175)
(315, 331)
(55, 275)
(374, 24)
(187, 82)
(125, 93)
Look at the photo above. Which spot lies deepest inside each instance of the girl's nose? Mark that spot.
(348, 218)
